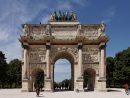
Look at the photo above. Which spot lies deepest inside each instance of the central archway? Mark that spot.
(69, 84)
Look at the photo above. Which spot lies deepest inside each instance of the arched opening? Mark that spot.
(89, 79)
(63, 72)
(62, 75)
(37, 78)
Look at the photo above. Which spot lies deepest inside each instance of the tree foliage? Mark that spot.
(3, 70)
(14, 73)
(10, 74)
(109, 71)
(118, 69)
(66, 84)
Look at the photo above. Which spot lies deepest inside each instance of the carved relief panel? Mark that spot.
(91, 33)
(67, 48)
(90, 54)
(37, 32)
(37, 54)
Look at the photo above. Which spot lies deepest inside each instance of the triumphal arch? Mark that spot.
(83, 45)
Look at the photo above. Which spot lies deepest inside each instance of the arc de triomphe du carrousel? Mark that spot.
(83, 45)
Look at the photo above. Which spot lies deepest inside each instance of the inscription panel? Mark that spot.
(64, 33)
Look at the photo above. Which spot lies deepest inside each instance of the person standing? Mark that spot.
(37, 88)
(126, 86)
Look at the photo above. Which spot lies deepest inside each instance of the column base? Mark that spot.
(79, 86)
(48, 85)
(25, 85)
(101, 84)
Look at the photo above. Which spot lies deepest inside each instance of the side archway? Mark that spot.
(89, 79)
(37, 78)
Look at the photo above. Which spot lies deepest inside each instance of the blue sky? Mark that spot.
(13, 13)
(62, 70)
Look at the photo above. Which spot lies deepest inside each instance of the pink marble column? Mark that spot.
(80, 60)
(102, 61)
(48, 59)
(25, 63)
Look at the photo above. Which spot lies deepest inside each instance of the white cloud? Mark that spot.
(82, 3)
(13, 14)
(3, 35)
(111, 11)
(109, 14)
(64, 5)
(45, 19)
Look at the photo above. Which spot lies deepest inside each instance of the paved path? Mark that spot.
(16, 93)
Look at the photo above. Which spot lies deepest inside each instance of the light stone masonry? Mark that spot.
(84, 45)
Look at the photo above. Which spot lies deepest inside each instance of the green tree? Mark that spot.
(3, 70)
(121, 72)
(109, 71)
(14, 73)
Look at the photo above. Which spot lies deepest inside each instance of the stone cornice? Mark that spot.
(79, 35)
(64, 41)
(102, 45)
(25, 45)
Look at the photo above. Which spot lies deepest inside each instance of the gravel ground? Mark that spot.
(16, 93)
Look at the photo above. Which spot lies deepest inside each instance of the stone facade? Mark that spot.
(84, 45)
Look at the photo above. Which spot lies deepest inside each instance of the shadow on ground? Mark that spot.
(112, 90)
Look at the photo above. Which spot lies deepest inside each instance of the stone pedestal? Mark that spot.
(102, 84)
(48, 85)
(25, 85)
(79, 87)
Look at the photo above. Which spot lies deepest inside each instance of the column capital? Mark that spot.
(80, 45)
(102, 45)
(25, 45)
(48, 45)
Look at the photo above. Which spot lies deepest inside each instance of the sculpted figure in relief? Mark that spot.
(47, 30)
(25, 29)
(101, 30)
(103, 27)
(74, 16)
(52, 17)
